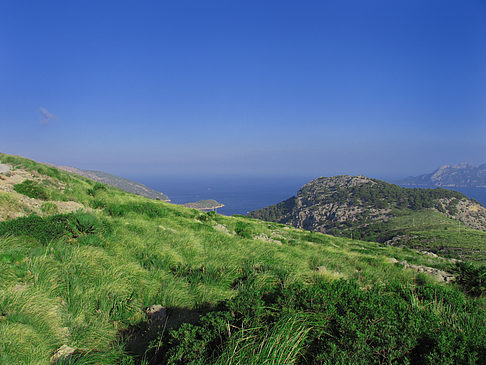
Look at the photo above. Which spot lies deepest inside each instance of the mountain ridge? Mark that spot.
(460, 175)
(365, 208)
(116, 181)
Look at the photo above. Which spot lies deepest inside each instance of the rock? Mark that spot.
(156, 313)
(63, 353)
(439, 274)
(4, 168)
(392, 260)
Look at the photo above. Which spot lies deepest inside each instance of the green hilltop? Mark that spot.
(90, 274)
(441, 221)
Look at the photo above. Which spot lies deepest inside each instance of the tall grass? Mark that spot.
(81, 279)
(279, 346)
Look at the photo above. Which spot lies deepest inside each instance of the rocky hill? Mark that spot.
(360, 207)
(462, 175)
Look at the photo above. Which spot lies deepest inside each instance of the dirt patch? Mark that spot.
(14, 205)
(4, 168)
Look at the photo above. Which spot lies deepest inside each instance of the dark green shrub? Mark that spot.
(345, 324)
(471, 278)
(96, 188)
(32, 189)
(207, 216)
(151, 210)
(43, 229)
(46, 229)
(98, 204)
(243, 230)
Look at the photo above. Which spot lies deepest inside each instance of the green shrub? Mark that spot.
(207, 216)
(151, 210)
(244, 230)
(330, 323)
(96, 188)
(49, 208)
(32, 189)
(471, 278)
(46, 229)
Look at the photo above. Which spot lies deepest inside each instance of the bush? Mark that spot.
(96, 188)
(331, 323)
(243, 230)
(471, 278)
(151, 210)
(32, 189)
(46, 229)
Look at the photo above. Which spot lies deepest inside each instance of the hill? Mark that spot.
(462, 175)
(121, 279)
(438, 220)
(118, 182)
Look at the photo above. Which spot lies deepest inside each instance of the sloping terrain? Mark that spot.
(128, 280)
(462, 175)
(118, 182)
(440, 220)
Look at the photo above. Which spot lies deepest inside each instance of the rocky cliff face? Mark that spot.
(345, 202)
(462, 175)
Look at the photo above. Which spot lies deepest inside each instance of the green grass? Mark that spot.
(430, 230)
(81, 279)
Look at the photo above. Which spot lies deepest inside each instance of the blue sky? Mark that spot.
(383, 88)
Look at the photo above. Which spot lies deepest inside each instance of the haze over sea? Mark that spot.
(242, 194)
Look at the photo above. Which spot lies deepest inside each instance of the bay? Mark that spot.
(240, 193)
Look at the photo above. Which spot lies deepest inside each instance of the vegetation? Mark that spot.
(374, 210)
(331, 323)
(204, 204)
(32, 189)
(427, 230)
(236, 290)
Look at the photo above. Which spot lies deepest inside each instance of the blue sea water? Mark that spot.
(239, 194)
(242, 194)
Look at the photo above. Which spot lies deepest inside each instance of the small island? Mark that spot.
(209, 204)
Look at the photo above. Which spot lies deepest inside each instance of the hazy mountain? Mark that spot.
(462, 175)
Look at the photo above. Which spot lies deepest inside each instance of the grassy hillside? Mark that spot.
(429, 230)
(228, 289)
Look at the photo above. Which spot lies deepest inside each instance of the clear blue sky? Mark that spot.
(384, 88)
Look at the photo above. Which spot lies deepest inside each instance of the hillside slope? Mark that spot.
(118, 182)
(462, 175)
(439, 220)
(128, 280)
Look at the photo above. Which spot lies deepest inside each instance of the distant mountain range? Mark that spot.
(117, 181)
(462, 175)
(373, 210)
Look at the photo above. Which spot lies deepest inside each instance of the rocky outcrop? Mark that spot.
(4, 168)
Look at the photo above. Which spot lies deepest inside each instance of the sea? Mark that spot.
(239, 194)
(243, 194)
